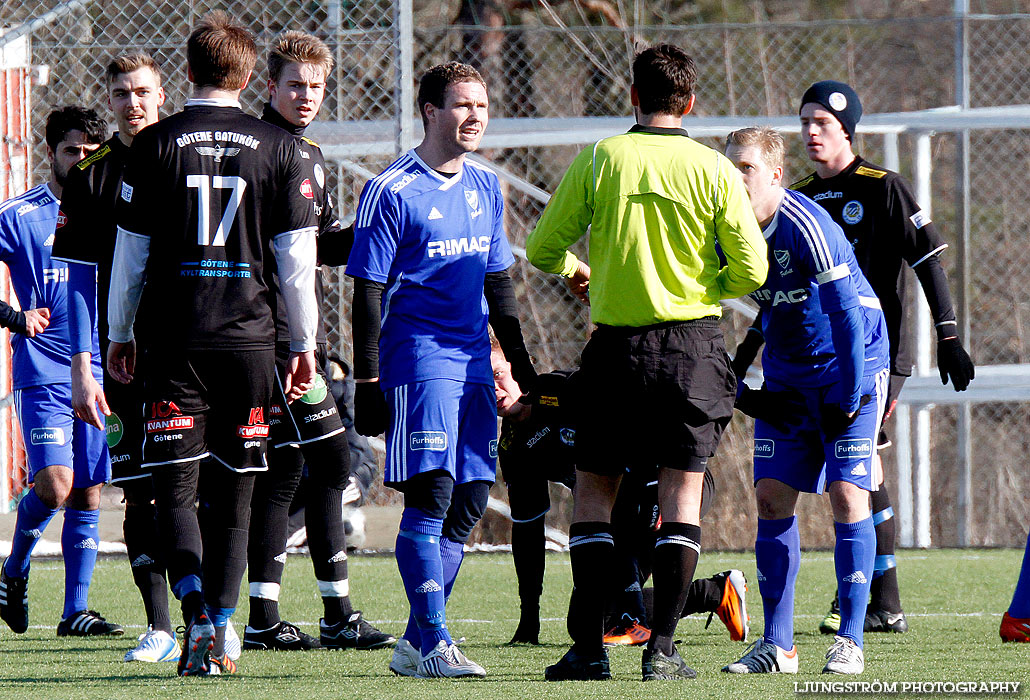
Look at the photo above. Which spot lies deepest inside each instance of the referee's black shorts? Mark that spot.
(668, 388)
(202, 403)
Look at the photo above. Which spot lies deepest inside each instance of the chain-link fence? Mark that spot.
(552, 60)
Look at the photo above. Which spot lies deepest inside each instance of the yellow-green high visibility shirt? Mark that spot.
(656, 202)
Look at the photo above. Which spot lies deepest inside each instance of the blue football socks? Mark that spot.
(421, 568)
(778, 557)
(80, 542)
(451, 555)
(33, 517)
(853, 558)
(1021, 598)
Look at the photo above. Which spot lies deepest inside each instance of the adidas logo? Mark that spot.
(430, 586)
(859, 470)
(35, 533)
(88, 543)
(435, 214)
(338, 557)
(761, 576)
(281, 558)
(141, 560)
(854, 577)
(635, 586)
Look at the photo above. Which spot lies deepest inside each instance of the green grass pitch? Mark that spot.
(954, 599)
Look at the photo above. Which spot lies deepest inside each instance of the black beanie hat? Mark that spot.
(839, 99)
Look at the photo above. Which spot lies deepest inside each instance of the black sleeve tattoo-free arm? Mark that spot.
(934, 282)
(504, 319)
(366, 317)
(9, 318)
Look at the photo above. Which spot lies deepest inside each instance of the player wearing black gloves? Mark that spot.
(890, 232)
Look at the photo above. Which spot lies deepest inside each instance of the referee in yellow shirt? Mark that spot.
(657, 204)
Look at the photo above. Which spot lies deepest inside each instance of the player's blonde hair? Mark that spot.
(298, 47)
(129, 62)
(768, 141)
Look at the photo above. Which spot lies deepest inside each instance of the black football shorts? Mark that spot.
(310, 418)
(656, 395)
(208, 403)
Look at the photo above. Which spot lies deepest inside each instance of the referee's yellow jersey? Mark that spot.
(656, 203)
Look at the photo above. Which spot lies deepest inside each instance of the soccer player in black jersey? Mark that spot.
(86, 242)
(536, 446)
(308, 430)
(890, 232)
(209, 196)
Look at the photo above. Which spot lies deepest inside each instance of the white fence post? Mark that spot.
(921, 486)
(404, 67)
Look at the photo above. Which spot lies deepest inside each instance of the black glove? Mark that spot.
(780, 409)
(953, 361)
(371, 414)
(835, 420)
(746, 353)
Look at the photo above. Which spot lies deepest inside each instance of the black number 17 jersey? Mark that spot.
(211, 187)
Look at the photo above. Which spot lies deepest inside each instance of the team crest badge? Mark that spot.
(319, 175)
(782, 257)
(852, 212)
(472, 197)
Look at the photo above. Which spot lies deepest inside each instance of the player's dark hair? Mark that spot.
(61, 121)
(297, 47)
(433, 84)
(129, 62)
(664, 76)
(220, 52)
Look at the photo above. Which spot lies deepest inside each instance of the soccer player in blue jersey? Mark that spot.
(67, 458)
(429, 265)
(826, 373)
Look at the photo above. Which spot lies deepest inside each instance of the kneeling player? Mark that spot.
(825, 363)
(536, 446)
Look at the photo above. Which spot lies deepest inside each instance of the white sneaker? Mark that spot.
(155, 646)
(405, 659)
(232, 648)
(844, 657)
(446, 661)
(765, 657)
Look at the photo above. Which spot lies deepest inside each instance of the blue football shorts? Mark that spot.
(441, 424)
(53, 435)
(804, 458)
